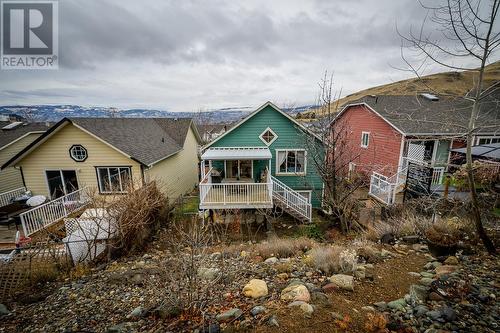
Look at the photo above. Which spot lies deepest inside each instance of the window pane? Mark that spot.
(125, 178)
(70, 180)
(290, 161)
(246, 169)
(115, 179)
(56, 187)
(300, 161)
(103, 180)
(282, 161)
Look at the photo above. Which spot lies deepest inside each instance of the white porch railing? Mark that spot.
(291, 199)
(437, 175)
(43, 216)
(230, 194)
(381, 189)
(6, 197)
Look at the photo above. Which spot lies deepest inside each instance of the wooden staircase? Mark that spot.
(291, 201)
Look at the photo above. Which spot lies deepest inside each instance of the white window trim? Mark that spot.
(278, 173)
(367, 141)
(306, 191)
(261, 136)
(484, 137)
(109, 178)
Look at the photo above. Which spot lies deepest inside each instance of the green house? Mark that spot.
(263, 161)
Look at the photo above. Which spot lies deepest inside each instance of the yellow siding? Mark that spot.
(53, 154)
(177, 174)
(10, 178)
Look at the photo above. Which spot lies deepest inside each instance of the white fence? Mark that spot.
(437, 175)
(6, 197)
(291, 199)
(42, 216)
(382, 189)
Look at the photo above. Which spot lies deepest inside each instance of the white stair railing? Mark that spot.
(44, 215)
(6, 197)
(291, 199)
(382, 189)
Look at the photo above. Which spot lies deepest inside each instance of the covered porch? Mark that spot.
(236, 178)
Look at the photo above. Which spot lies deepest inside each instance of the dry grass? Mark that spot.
(284, 247)
(334, 259)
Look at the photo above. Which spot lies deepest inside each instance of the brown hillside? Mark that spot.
(447, 83)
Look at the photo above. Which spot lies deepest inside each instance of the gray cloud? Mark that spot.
(185, 55)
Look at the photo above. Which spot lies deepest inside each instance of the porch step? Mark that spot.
(291, 201)
(280, 202)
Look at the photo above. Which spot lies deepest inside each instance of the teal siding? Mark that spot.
(289, 137)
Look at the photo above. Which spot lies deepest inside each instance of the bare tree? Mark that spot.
(467, 32)
(333, 157)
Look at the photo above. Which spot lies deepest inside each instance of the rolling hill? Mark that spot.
(446, 83)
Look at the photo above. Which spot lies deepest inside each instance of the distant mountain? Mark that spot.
(447, 83)
(57, 112)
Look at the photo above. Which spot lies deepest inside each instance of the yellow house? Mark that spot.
(106, 153)
(14, 137)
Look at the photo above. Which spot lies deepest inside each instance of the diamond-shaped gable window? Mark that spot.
(268, 136)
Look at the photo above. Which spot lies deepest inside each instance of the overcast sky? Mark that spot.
(190, 55)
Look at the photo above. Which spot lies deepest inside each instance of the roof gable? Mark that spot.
(145, 140)
(8, 137)
(265, 106)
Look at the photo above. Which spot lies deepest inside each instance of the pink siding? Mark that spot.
(382, 153)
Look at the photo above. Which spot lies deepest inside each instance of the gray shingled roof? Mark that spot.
(147, 140)
(7, 136)
(414, 114)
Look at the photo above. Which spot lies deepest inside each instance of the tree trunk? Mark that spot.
(476, 214)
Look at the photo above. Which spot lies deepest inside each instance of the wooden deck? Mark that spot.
(219, 197)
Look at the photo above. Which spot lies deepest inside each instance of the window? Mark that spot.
(113, 179)
(239, 169)
(268, 136)
(365, 139)
(487, 141)
(78, 153)
(290, 161)
(61, 182)
(306, 195)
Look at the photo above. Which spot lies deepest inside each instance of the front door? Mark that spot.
(61, 182)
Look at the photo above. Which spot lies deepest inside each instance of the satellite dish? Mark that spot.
(36, 200)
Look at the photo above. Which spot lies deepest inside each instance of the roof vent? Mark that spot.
(13, 125)
(430, 97)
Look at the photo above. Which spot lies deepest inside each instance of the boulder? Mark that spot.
(208, 273)
(137, 312)
(295, 292)
(445, 269)
(426, 281)
(418, 292)
(398, 304)
(360, 272)
(256, 310)
(273, 321)
(330, 288)
(451, 261)
(342, 281)
(304, 306)
(3, 310)
(255, 288)
(271, 260)
(229, 315)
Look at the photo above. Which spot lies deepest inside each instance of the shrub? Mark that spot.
(334, 259)
(443, 232)
(284, 247)
(311, 231)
